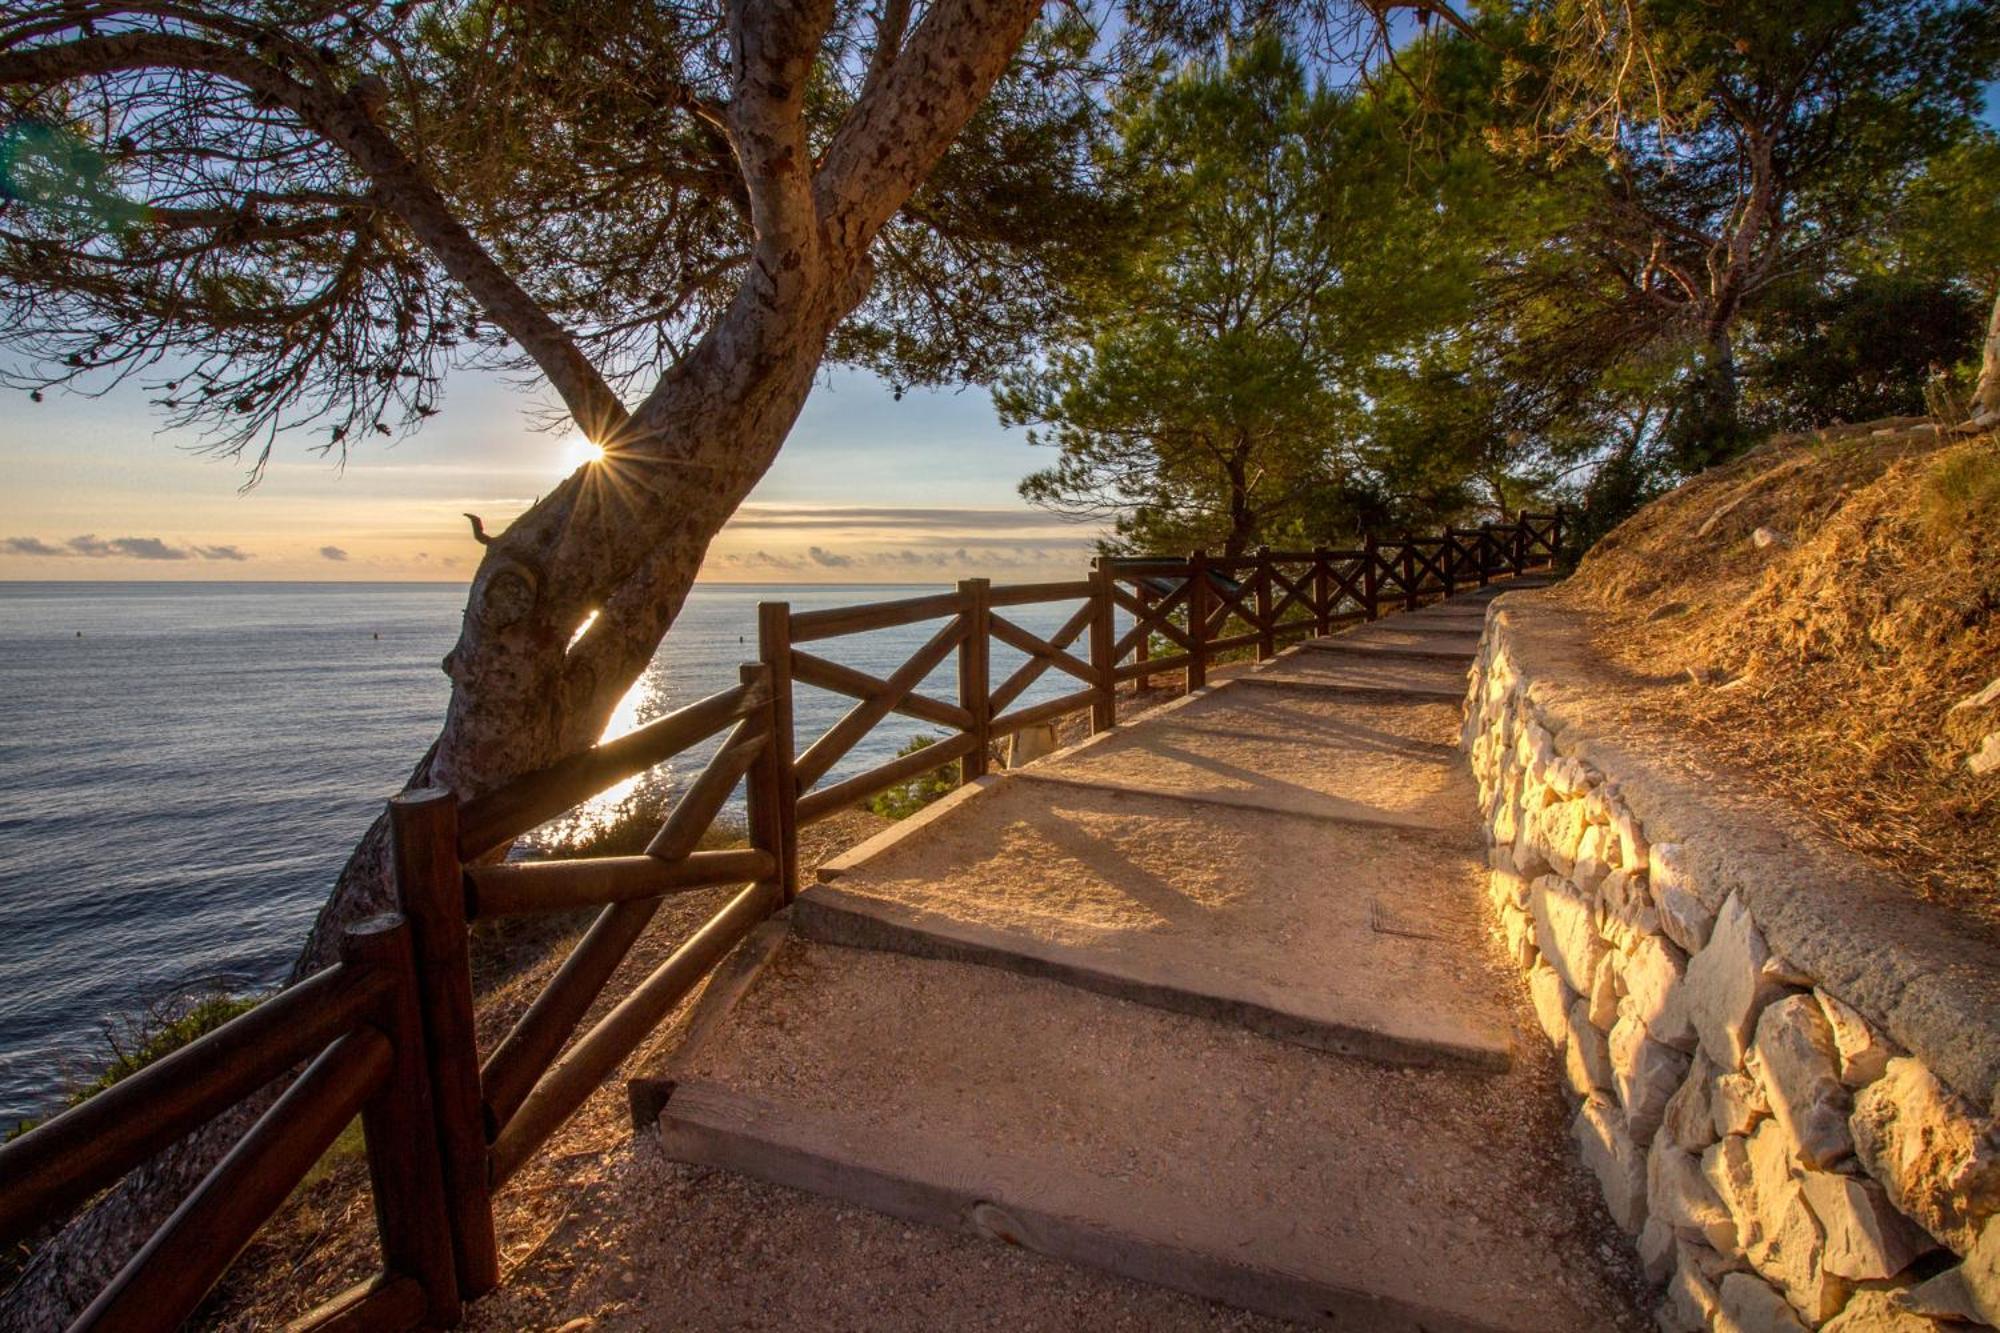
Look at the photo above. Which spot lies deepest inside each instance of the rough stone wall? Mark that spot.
(1781, 1163)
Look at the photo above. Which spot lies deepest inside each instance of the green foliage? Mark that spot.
(152, 1036)
(913, 794)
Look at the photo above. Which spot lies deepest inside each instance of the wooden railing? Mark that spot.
(388, 1032)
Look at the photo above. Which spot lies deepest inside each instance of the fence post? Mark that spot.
(972, 676)
(1267, 632)
(1450, 562)
(1197, 614)
(1143, 652)
(1371, 577)
(1517, 553)
(1408, 565)
(430, 890)
(1555, 535)
(1485, 552)
(774, 648)
(763, 798)
(1104, 705)
(412, 1215)
(1322, 591)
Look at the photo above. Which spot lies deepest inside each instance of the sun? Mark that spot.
(578, 451)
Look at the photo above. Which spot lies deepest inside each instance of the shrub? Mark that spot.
(913, 794)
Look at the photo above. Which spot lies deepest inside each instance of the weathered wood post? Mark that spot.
(764, 797)
(1408, 567)
(774, 648)
(1267, 629)
(973, 684)
(430, 889)
(1104, 704)
(1371, 577)
(1517, 548)
(1485, 552)
(1143, 650)
(400, 1120)
(1450, 561)
(1197, 619)
(1322, 591)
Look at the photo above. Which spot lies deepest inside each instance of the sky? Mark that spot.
(868, 489)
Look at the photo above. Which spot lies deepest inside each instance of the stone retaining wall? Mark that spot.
(1782, 1160)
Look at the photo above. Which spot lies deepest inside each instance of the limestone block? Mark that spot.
(1654, 969)
(1749, 1305)
(1657, 1252)
(1603, 996)
(1969, 1292)
(1518, 929)
(1566, 930)
(1878, 1312)
(1505, 817)
(1725, 989)
(1791, 1256)
(1692, 1303)
(1562, 827)
(1634, 849)
(1690, 1120)
(1646, 1072)
(1738, 1104)
(1528, 858)
(1571, 778)
(1801, 1075)
(1607, 1149)
(1864, 1052)
(1587, 1057)
(1753, 1178)
(1592, 860)
(1506, 887)
(1685, 918)
(1679, 1194)
(1866, 1238)
(1939, 1162)
(1552, 1000)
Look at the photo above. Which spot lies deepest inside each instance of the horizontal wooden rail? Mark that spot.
(1025, 594)
(162, 1284)
(838, 796)
(495, 819)
(1046, 711)
(564, 886)
(59, 1164)
(836, 621)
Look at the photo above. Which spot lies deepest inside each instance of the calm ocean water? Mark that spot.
(183, 768)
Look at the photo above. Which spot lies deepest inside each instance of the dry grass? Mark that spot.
(1826, 664)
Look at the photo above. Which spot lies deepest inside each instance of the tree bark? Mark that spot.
(1986, 396)
(625, 538)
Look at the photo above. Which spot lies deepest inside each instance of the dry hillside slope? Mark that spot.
(1827, 609)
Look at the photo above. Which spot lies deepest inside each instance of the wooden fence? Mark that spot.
(387, 1033)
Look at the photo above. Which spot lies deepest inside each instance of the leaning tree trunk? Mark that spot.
(1986, 396)
(619, 542)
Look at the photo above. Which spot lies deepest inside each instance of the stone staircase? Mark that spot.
(1206, 1001)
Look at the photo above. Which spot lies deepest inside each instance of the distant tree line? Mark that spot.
(1536, 252)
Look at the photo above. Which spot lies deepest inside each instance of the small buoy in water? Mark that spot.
(79, 634)
(374, 636)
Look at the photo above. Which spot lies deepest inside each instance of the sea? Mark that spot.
(184, 767)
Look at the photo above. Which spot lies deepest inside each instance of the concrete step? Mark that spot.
(1361, 939)
(1387, 639)
(1355, 672)
(1328, 1191)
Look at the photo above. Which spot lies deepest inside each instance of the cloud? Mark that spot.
(890, 516)
(333, 553)
(819, 555)
(93, 547)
